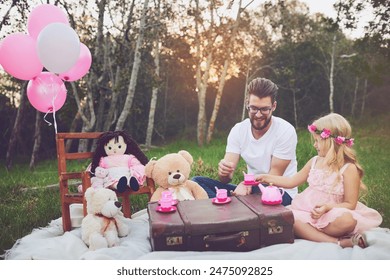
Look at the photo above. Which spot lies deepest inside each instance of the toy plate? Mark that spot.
(251, 183)
(169, 210)
(216, 201)
(174, 202)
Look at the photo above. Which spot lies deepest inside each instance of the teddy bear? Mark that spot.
(171, 172)
(101, 179)
(104, 223)
(125, 161)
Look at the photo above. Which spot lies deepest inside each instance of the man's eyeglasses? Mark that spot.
(264, 110)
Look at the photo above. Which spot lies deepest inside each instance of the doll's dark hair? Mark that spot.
(132, 147)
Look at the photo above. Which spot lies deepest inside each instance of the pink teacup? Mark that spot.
(221, 195)
(166, 194)
(165, 203)
(248, 178)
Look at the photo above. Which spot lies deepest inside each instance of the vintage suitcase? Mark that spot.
(201, 225)
(276, 221)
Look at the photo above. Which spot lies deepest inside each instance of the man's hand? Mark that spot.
(225, 169)
(241, 189)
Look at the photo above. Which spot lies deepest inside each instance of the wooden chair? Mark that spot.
(69, 196)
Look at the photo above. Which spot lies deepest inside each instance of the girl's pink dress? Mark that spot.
(322, 189)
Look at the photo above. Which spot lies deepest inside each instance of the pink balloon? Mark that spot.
(19, 57)
(46, 92)
(43, 15)
(81, 68)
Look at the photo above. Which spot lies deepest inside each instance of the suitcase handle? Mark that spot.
(236, 238)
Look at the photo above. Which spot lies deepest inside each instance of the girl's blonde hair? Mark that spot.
(338, 154)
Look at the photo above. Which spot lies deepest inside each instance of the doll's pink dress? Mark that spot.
(322, 189)
(123, 165)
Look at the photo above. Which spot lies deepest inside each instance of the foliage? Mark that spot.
(278, 40)
(30, 199)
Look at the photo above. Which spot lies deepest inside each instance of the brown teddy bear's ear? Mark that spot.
(149, 168)
(187, 156)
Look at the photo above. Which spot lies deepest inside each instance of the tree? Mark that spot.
(228, 56)
(134, 73)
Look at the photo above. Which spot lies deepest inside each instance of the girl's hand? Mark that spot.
(261, 178)
(318, 211)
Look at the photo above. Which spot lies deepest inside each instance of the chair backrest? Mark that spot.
(69, 193)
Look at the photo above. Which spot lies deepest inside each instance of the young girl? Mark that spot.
(329, 210)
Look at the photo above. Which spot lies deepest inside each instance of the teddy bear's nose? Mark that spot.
(118, 204)
(176, 176)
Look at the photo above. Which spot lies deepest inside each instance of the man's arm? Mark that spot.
(278, 166)
(227, 166)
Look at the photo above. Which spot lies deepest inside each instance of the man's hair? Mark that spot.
(262, 87)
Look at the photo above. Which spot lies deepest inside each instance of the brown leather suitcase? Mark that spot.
(200, 225)
(276, 221)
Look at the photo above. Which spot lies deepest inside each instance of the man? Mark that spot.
(266, 143)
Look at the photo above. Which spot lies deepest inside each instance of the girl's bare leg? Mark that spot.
(342, 226)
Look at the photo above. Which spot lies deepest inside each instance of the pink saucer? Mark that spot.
(174, 202)
(250, 183)
(215, 200)
(272, 202)
(161, 210)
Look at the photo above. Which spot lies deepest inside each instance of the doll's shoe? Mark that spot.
(122, 185)
(134, 185)
(359, 240)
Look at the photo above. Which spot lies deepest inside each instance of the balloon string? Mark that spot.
(52, 110)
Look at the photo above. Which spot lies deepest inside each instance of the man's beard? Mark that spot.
(266, 123)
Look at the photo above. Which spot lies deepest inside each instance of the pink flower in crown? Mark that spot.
(325, 133)
(312, 128)
(350, 142)
(339, 140)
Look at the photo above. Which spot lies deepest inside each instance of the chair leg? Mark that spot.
(126, 206)
(66, 223)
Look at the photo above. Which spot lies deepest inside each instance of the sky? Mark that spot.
(326, 7)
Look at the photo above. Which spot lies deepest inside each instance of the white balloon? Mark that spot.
(58, 47)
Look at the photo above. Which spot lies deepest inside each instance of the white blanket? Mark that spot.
(52, 243)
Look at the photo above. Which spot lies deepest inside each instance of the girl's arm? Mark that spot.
(287, 182)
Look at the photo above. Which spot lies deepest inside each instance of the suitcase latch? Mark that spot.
(174, 240)
(274, 228)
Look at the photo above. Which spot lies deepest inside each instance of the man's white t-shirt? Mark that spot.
(279, 141)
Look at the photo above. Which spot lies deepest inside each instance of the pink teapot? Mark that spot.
(271, 195)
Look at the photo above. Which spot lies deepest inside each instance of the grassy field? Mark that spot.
(28, 203)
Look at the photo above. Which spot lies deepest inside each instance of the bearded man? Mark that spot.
(265, 142)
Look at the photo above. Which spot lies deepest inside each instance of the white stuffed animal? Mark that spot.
(104, 223)
(101, 179)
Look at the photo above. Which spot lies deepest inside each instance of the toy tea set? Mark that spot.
(271, 195)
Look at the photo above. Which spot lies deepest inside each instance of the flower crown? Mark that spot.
(325, 133)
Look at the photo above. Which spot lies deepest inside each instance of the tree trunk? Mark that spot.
(221, 85)
(364, 98)
(17, 127)
(331, 87)
(295, 109)
(202, 80)
(134, 73)
(37, 140)
(153, 102)
(72, 128)
(355, 97)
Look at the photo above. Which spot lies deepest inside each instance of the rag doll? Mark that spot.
(121, 155)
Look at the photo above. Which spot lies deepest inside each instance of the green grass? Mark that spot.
(26, 204)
